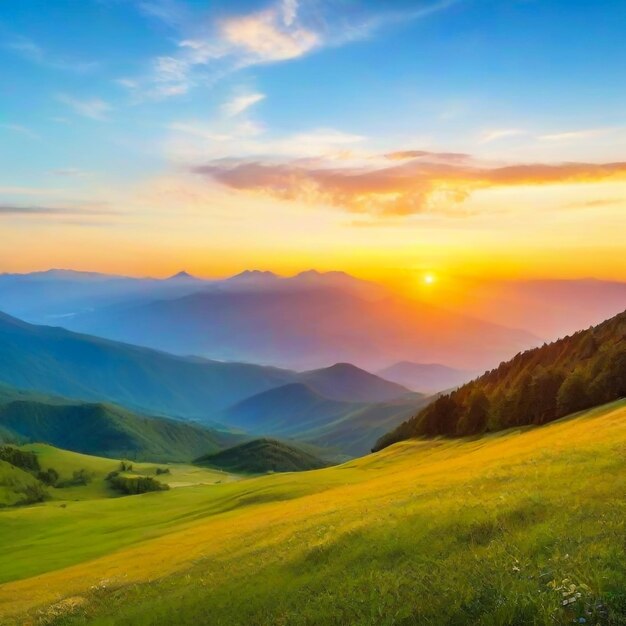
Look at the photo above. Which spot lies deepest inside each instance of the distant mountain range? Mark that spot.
(306, 321)
(52, 361)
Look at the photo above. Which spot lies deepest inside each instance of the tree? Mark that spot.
(475, 418)
(573, 394)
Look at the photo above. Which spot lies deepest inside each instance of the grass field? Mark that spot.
(499, 530)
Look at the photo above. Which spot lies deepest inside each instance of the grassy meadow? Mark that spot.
(520, 527)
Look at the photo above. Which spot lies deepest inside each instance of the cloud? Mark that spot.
(240, 103)
(19, 210)
(414, 186)
(573, 135)
(594, 204)
(93, 108)
(270, 35)
(34, 53)
(210, 47)
(22, 130)
(495, 135)
(404, 155)
(70, 172)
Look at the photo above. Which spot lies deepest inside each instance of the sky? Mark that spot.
(482, 138)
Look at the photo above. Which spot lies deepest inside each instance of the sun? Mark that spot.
(429, 279)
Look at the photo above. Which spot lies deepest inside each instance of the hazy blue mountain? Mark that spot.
(56, 361)
(306, 328)
(296, 411)
(425, 377)
(344, 381)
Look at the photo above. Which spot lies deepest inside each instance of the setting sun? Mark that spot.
(429, 279)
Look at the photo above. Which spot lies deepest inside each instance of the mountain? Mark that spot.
(296, 411)
(344, 381)
(107, 430)
(305, 328)
(291, 410)
(261, 456)
(425, 377)
(56, 361)
(535, 387)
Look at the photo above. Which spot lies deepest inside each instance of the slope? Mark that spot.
(488, 531)
(261, 456)
(108, 430)
(535, 387)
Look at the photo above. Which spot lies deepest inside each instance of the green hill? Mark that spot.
(18, 486)
(107, 430)
(260, 456)
(535, 387)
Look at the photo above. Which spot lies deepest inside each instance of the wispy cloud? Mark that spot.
(22, 130)
(20, 210)
(495, 135)
(575, 134)
(71, 172)
(239, 104)
(33, 52)
(282, 31)
(414, 186)
(93, 108)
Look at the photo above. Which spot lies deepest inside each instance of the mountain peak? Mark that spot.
(182, 275)
(248, 274)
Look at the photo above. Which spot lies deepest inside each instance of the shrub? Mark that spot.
(134, 485)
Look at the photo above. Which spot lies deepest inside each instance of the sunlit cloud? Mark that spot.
(495, 135)
(282, 31)
(414, 186)
(576, 134)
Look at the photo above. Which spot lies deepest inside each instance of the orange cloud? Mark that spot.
(422, 182)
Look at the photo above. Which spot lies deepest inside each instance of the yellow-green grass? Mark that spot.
(485, 531)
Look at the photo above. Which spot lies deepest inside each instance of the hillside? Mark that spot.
(107, 430)
(494, 531)
(16, 485)
(535, 387)
(261, 456)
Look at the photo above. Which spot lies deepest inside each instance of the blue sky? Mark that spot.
(100, 97)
